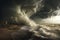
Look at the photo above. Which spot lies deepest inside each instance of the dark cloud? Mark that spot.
(48, 5)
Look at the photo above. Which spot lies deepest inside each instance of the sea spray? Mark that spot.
(21, 16)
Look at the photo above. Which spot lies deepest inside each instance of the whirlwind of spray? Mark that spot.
(21, 16)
